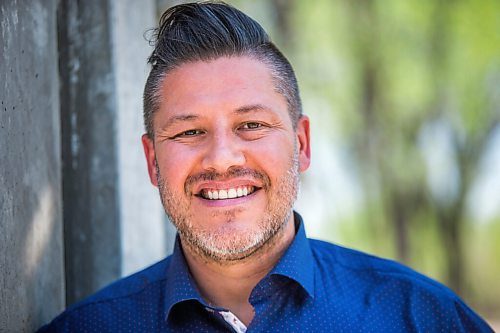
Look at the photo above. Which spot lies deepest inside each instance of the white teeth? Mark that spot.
(230, 193)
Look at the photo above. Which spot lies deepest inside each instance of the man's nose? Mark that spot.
(223, 152)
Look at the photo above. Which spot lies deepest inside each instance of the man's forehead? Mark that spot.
(242, 84)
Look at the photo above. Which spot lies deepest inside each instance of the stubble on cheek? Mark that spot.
(172, 204)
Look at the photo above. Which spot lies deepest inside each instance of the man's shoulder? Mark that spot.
(120, 296)
(130, 285)
(391, 289)
(370, 268)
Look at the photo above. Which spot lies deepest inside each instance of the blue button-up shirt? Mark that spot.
(315, 287)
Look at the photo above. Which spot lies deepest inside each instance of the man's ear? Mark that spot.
(149, 151)
(303, 143)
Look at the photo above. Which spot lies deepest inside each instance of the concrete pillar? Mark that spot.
(31, 247)
(89, 147)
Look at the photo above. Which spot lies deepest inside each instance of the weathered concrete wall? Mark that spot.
(89, 147)
(31, 249)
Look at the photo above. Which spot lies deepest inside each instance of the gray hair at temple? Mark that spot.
(206, 31)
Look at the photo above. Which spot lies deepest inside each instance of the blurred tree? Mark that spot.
(471, 102)
(385, 141)
(388, 138)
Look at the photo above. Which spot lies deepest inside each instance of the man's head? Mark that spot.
(227, 142)
(206, 31)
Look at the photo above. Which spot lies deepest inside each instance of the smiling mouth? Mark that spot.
(230, 193)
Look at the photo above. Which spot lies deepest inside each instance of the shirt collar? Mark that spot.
(179, 285)
(296, 264)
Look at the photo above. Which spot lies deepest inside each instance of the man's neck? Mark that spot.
(230, 285)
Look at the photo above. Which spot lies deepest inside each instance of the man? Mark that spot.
(226, 140)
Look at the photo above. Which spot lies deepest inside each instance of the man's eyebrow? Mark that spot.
(252, 108)
(179, 119)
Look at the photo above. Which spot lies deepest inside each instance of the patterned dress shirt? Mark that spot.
(315, 287)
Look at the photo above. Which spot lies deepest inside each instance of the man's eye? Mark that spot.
(251, 126)
(188, 133)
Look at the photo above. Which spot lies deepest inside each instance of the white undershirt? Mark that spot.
(232, 320)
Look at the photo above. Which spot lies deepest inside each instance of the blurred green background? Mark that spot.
(404, 99)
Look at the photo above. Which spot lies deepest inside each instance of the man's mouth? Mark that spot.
(230, 193)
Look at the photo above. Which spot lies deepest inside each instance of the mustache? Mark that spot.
(233, 172)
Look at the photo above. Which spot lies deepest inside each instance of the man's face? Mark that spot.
(225, 156)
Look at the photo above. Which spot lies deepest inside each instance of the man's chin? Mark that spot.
(228, 248)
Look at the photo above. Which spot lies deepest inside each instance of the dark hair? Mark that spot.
(207, 31)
